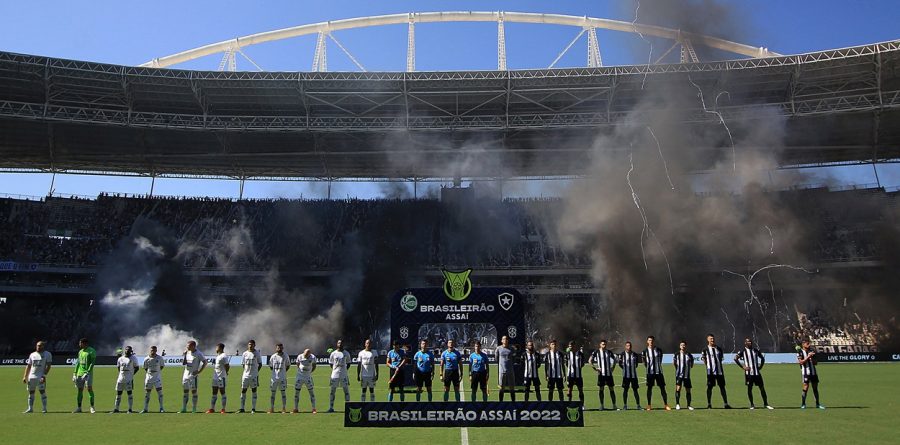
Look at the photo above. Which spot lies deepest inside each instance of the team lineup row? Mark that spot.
(558, 367)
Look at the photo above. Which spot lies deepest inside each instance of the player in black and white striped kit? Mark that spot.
(683, 362)
(806, 357)
(574, 363)
(712, 356)
(628, 361)
(531, 360)
(553, 363)
(653, 362)
(604, 361)
(752, 361)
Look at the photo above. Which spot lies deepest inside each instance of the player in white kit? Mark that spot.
(37, 366)
(306, 364)
(220, 375)
(367, 371)
(278, 363)
(251, 360)
(339, 361)
(194, 363)
(128, 367)
(153, 366)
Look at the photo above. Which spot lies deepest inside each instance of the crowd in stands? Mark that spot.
(314, 234)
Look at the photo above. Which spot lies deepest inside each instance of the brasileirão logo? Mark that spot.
(457, 285)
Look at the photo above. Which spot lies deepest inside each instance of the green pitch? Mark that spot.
(862, 401)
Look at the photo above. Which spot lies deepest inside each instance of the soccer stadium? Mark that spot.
(674, 202)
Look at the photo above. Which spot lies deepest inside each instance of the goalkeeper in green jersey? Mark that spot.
(84, 372)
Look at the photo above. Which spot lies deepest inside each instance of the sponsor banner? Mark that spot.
(12, 266)
(850, 357)
(463, 414)
(847, 348)
(6, 360)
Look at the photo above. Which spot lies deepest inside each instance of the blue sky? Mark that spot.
(109, 31)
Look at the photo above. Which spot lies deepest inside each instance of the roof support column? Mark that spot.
(320, 63)
(411, 45)
(593, 58)
(501, 44)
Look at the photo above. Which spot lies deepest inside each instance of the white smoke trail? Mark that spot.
(649, 53)
(719, 115)
(661, 157)
(646, 230)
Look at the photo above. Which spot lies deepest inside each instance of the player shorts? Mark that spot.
(124, 385)
(715, 379)
(630, 383)
(343, 382)
(277, 384)
(189, 383)
(811, 378)
(451, 376)
(684, 382)
(152, 382)
(753, 380)
(84, 380)
(303, 379)
(34, 384)
(605, 380)
(249, 382)
(554, 383)
(367, 382)
(532, 381)
(423, 379)
(656, 380)
(219, 381)
(575, 381)
(479, 378)
(507, 379)
(398, 378)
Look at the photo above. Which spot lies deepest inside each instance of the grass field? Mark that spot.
(862, 401)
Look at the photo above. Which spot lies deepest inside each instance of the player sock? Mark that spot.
(456, 394)
(194, 401)
(390, 397)
(446, 396)
(212, 404)
(118, 400)
(130, 401)
(429, 396)
(612, 395)
(184, 401)
(501, 394)
(665, 396)
(402, 396)
(253, 401)
(224, 401)
(160, 394)
(30, 401)
(284, 401)
(79, 398)
(709, 396)
(601, 397)
(816, 394)
(91, 397)
(678, 397)
(750, 394)
(297, 399)
(272, 401)
(147, 401)
(762, 392)
(243, 400)
(44, 400)
(331, 399)
(688, 397)
(362, 397)
(803, 398)
(312, 399)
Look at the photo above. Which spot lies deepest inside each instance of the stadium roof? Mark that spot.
(842, 106)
